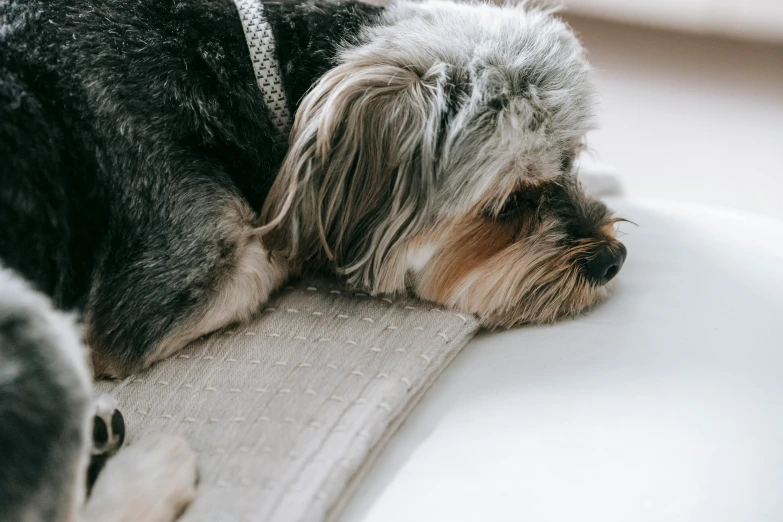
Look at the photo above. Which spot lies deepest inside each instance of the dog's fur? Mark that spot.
(140, 186)
(436, 156)
(46, 419)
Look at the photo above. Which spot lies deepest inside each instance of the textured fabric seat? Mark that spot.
(287, 411)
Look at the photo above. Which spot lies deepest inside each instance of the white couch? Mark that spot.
(665, 403)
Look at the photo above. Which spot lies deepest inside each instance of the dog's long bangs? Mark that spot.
(357, 179)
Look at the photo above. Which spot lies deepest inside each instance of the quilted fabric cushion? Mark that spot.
(287, 411)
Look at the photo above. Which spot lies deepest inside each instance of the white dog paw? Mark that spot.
(153, 480)
(108, 434)
(108, 426)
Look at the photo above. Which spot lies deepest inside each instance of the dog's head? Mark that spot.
(438, 157)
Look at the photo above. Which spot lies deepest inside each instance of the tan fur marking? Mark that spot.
(106, 367)
(476, 239)
(471, 243)
(509, 275)
(254, 277)
(608, 231)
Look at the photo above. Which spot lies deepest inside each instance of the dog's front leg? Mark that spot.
(200, 268)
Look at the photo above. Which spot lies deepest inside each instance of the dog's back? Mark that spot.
(135, 144)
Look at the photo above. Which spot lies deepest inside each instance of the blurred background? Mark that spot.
(691, 97)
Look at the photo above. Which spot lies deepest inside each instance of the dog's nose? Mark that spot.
(607, 262)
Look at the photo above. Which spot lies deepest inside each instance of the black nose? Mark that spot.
(605, 264)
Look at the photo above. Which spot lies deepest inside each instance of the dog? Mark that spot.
(55, 442)
(151, 188)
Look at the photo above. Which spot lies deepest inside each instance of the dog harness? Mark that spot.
(261, 43)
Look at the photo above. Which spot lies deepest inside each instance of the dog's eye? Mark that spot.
(517, 203)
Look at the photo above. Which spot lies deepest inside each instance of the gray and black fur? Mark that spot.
(44, 406)
(56, 439)
(141, 188)
(125, 127)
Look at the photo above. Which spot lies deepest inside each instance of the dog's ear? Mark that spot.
(356, 180)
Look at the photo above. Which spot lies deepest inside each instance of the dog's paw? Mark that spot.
(108, 434)
(153, 480)
(108, 427)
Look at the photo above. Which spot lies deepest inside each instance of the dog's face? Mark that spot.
(438, 157)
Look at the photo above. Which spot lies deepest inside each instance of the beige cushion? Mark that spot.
(288, 411)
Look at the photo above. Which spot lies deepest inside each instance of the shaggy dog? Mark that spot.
(150, 187)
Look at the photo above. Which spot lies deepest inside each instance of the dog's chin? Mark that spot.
(502, 303)
(536, 310)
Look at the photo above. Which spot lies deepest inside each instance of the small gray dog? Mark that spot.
(145, 191)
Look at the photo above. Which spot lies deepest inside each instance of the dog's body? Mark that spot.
(138, 153)
(45, 426)
(432, 152)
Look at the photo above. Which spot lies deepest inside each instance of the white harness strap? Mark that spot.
(261, 44)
